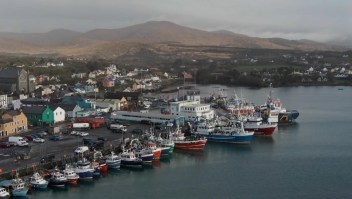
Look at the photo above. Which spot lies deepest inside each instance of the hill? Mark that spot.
(117, 42)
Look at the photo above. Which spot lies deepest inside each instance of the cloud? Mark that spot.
(293, 19)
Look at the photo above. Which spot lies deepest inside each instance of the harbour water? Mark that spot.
(310, 159)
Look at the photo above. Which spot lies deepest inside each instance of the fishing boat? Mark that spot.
(98, 157)
(165, 151)
(234, 133)
(187, 141)
(154, 149)
(57, 179)
(256, 124)
(70, 174)
(113, 161)
(190, 143)
(4, 194)
(37, 181)
(15, 186)
(273, 112)
(129, 159)
(96, 167)
(141, 151)
(84, 169)
(18, 188)
(145, 155)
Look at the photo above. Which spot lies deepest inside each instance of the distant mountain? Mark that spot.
(115, 42)
(54, 37)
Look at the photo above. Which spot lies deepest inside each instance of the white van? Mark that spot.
(19, 141)
(118, 127)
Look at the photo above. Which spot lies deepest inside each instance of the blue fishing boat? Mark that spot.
(84, 170)
(37, 181)
(113, 161)
(16, 187)
(230, 134)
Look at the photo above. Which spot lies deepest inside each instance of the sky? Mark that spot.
(319, 20)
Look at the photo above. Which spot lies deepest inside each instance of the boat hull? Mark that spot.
(156, 154)
(165, 151)
(147, 159)
(87, 175)
(72, 180)
(57, 184)
(236, 139)
(40, 186)
(114, 164)
(262, 131)
(132, 163)
(104, 168)
(190, 145)
(19, 193)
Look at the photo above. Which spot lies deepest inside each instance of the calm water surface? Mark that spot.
(311, 159)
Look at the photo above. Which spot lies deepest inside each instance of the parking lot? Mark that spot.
(61, 148)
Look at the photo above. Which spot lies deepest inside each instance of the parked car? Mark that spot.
(5, 145)
(83, 134)
(56, 138)
(81, 149)
(29, 137)
(38, 140)
(74, 132)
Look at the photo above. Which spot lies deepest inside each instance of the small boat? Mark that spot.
(233, 133)
(165, 151)
(4, 194)
(113, 161)
(37, 181)
(129, 159)
(70, 174)
(57, 179)
(84, 170)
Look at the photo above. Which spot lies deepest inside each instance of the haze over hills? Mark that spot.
(67, 42)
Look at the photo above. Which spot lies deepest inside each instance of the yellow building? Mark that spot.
(13, 122)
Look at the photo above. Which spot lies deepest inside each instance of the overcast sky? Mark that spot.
(319, 20)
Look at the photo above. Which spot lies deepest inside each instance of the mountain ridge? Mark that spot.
(63, 41)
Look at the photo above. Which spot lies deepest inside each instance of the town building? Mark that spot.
(191, 108)
(59, 113)
(15, 80)
(39, 115)
(70, 109)
(13, 122)
(3, 101)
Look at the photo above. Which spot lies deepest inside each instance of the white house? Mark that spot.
(3, 101)
(70, 109)
(59, 113)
